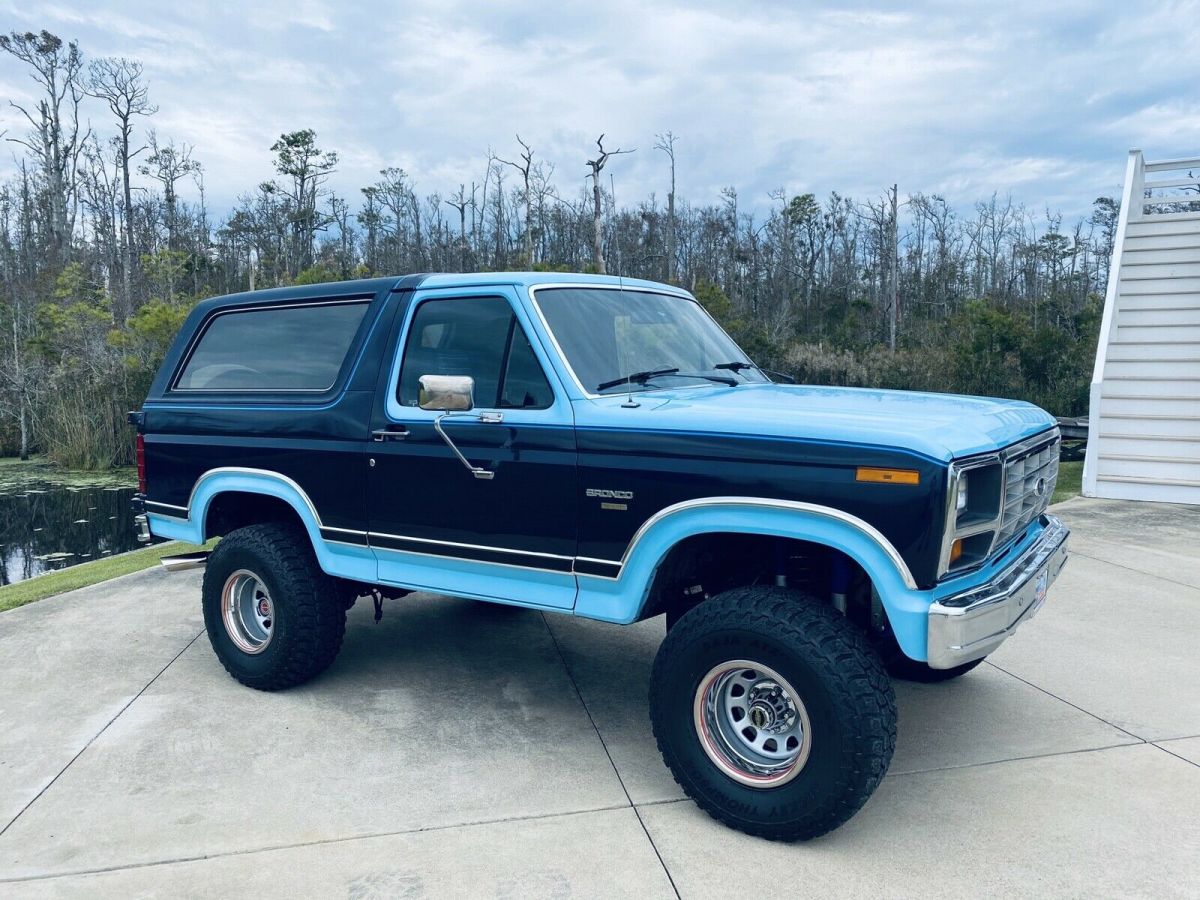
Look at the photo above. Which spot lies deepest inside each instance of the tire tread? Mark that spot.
(862, 685)
(317, 616)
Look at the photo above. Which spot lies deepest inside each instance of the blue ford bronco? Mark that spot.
(601, 448)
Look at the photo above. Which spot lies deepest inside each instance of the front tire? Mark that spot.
(274, 619)
(772, 712)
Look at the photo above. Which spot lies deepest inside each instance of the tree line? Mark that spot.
(107, 241)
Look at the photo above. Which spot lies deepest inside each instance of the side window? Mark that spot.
(525, 384)
(293, 348)
(476, 336)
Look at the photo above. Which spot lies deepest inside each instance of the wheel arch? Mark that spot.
(218, 489)
(229, 510)
(228, 487)
(624, 598)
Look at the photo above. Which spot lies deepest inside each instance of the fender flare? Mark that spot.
(623, 598)
(191, 526)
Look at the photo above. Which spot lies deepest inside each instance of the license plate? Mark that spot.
(1040, 588)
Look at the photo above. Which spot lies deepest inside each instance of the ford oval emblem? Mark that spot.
(1040, 487)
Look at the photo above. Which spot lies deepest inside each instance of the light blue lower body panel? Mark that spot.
(173, 529)
(477, 580)
(341, 560)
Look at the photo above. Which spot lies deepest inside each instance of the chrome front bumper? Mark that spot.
(142, 524)
(970, 625)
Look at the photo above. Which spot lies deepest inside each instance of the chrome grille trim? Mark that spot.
(1023, 465)
(1025, 468)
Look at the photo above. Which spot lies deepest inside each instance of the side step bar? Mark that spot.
(185, 561)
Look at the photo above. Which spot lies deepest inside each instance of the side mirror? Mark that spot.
(446, 393)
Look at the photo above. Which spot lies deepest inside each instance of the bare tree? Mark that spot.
(525, 167)
(597, 166)
(168, 165)
(118, 82)
(56, 139)
(460, 202)
(99, 189)
(308, 167)
(893, 249)
(370, 217)
(666, 143)
(339, 215)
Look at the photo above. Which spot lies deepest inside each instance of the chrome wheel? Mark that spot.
(247, 611)
(752, 724)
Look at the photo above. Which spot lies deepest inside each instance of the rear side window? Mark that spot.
(294, 348)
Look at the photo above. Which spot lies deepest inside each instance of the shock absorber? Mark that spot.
(839, 580)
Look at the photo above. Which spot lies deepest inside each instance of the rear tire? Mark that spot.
(274, 619)
(793, 672)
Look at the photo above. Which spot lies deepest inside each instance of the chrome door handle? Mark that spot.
(393, 433)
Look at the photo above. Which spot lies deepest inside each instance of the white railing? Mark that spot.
(1135, 176)
(1177, 193)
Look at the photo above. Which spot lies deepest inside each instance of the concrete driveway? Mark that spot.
(462, 749)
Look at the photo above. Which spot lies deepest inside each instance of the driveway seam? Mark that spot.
(94, 737)
(995, 762)
(1049, 693)
(571, 676)
(1174, 754)
(1075, 552)
(271, 848)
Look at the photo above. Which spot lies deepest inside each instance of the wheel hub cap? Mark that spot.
(752, 723)
(761, 716)
(247, 611)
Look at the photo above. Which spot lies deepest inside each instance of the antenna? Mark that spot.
(629, 403)
(612, 189)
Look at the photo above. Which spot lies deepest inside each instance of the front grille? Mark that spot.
(1028, 468)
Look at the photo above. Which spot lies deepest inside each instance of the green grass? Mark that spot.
(48, 585)
(1070, 481)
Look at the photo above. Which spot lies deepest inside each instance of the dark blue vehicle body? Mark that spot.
(592, 496)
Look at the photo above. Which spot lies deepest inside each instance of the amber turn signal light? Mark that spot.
(956, 550)
(888, 476)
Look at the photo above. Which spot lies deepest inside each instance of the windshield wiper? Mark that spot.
(641, 378)
(635, 378)
(741, 366)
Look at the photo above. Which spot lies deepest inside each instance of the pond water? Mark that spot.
(51, 519)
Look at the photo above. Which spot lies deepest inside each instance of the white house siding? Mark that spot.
(1144, 421)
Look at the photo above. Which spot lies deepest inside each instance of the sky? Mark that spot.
(1039, 100)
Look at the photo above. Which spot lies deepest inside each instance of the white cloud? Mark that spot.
(1040, 100)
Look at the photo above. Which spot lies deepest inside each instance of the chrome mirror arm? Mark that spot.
(488, 418)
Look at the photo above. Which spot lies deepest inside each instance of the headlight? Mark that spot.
(972, 512)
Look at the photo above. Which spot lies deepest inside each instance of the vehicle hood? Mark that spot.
(940, 426)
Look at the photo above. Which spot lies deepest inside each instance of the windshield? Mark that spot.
(608, 336)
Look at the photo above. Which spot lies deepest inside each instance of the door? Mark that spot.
(509, 535)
